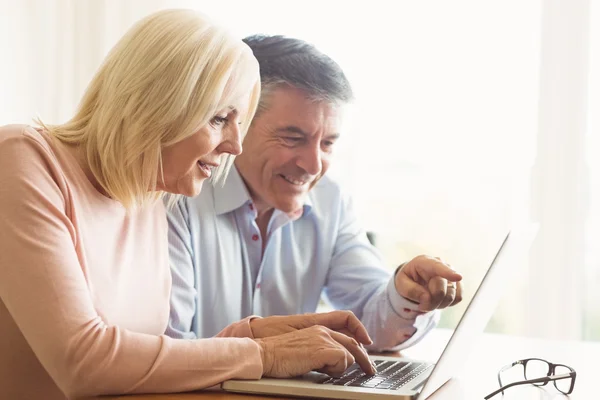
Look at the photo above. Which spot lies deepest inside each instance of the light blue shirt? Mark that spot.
(219, 276)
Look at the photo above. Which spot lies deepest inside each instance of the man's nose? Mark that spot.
(310, 160)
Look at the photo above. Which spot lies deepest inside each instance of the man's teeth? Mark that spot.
(293, 181)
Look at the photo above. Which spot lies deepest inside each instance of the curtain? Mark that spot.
(51, 49)
(560, 179)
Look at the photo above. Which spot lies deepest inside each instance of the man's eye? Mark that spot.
(328, 143)
(293, 139)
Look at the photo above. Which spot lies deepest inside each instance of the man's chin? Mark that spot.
(291, 207)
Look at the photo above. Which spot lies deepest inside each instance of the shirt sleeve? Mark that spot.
(358, 281)
(44, 288)
(182, 319)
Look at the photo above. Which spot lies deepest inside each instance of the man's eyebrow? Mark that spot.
(291, 129)
(299, 131)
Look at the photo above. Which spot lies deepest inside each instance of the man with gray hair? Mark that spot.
(280, 234)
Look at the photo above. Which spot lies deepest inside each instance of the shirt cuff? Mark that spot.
(403, 307)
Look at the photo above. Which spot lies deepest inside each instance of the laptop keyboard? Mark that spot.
(391, 375)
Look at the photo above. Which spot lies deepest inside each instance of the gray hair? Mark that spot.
(294, 62)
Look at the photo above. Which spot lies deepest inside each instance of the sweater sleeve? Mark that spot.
(43, 286)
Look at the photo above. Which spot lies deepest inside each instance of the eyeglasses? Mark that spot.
(539, 372)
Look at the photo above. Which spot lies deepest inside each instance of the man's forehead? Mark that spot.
(306, 125)
(285, 94)
(293, 111)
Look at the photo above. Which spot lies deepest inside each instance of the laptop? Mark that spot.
(401, 378)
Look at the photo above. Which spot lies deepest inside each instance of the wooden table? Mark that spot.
(478, 377)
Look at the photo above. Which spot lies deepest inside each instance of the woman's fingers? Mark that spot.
(310, 349)
(356, 350)
(344, 321)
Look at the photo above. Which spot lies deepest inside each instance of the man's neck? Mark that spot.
(263, 216)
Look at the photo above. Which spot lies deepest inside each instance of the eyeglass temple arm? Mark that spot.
(537, 380)
(504, 369)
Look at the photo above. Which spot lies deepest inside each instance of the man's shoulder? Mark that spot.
(326, 188)
(327, 196)
(199, 207)
(204, 201)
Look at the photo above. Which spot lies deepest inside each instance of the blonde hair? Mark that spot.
(166, 77)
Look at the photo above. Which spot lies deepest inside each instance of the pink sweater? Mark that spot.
(84, 288)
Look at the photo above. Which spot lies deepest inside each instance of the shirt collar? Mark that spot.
(233, 194)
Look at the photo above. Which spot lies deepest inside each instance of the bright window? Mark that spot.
(439, 144)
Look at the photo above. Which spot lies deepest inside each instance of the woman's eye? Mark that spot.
(218, 121)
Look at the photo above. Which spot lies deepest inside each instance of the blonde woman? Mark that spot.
(84, 274)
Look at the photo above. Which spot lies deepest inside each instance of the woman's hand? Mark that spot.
(315, 348)
(339, 321)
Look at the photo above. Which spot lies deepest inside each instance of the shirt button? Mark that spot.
(255, 237)
(258, 285)
(251, 206)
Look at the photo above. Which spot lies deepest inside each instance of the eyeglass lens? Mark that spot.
(535, 368)
(563, 385)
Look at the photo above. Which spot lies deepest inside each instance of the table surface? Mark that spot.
(478, 377)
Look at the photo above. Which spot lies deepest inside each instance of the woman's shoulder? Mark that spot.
(26, 136)
(27, 151)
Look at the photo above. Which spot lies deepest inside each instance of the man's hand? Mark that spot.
(339, 321)
(430, 282)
